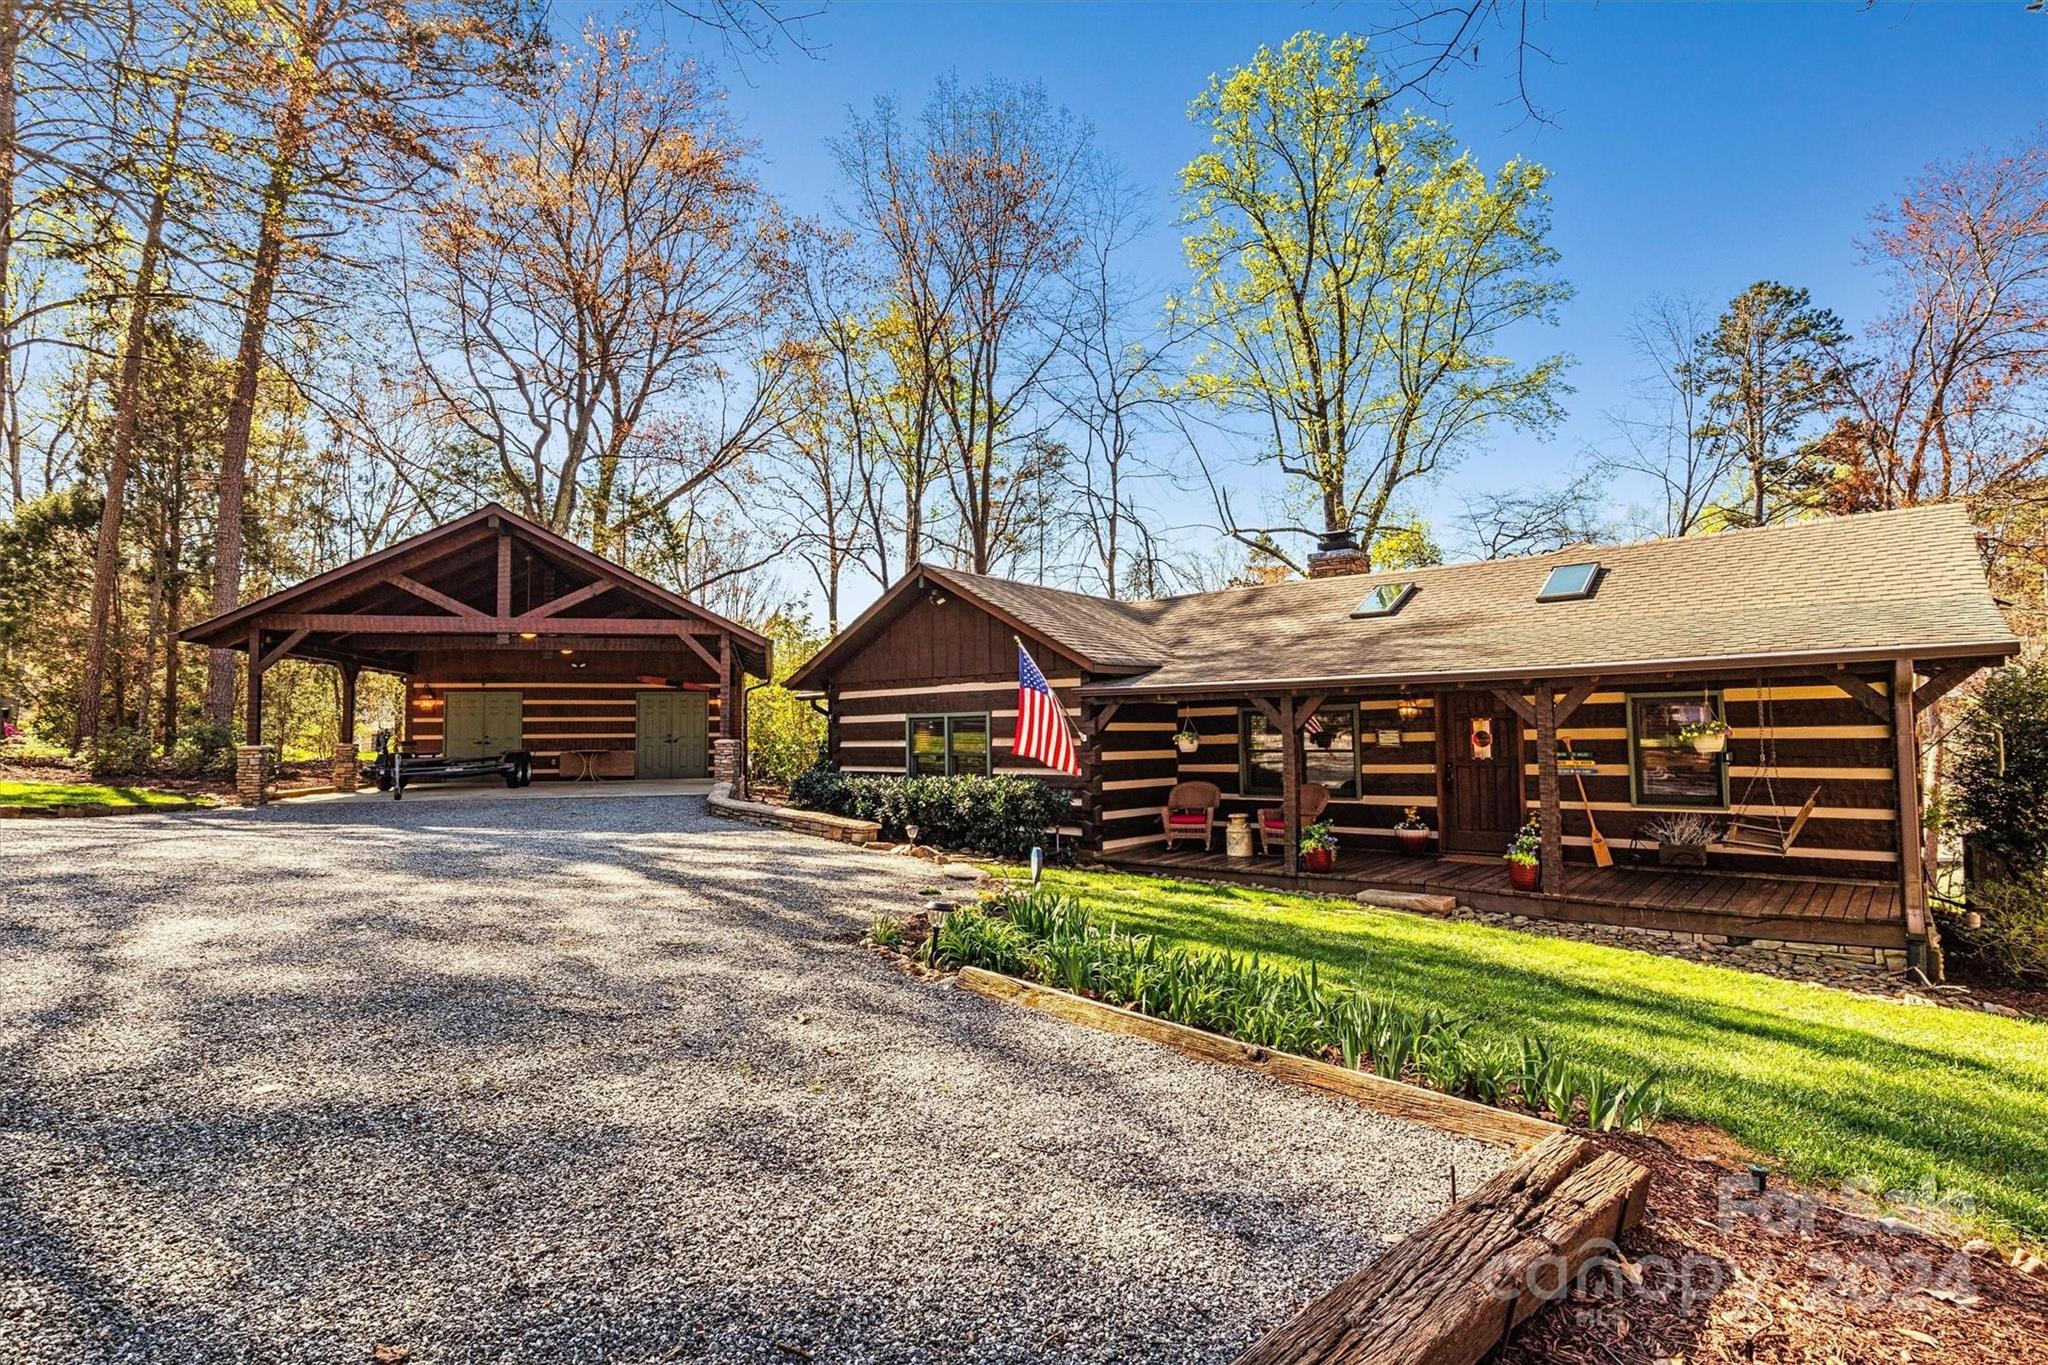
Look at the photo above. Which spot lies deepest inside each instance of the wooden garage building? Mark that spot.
(509, 636)
(1479, 694)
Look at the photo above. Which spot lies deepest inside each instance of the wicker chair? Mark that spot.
(1190, 812)
(1311, 798)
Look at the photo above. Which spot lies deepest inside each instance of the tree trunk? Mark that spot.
(10, 52)
(234, 453)
(106, 563)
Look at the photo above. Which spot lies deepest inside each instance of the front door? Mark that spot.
(481, 724)
(672, 735)
(1481, 749)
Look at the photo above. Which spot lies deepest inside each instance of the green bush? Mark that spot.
(1998, 771)
(2011, 942)
(1000, 815)
(1053, 939)
(115, 753)
(206, 749)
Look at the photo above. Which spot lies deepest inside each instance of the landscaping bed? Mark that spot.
(1830, 1087)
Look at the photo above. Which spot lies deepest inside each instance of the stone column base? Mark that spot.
(249, 774)
(346, 767)
(725, 760)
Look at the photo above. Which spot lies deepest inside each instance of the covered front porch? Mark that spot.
(1848, 912)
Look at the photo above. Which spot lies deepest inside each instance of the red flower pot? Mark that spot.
(1319, 859)
(1414, 842)
(1526, 876)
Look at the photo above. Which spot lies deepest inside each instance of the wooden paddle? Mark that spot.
(1603, 856)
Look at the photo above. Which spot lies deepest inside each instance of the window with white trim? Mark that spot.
(947, 745)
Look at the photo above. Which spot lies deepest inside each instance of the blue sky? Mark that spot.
(1695, 147)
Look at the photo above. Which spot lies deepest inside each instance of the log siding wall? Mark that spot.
(1823, 739)
(592, 707)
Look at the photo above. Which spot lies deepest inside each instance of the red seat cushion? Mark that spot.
(1187, 817)
(1273, 819)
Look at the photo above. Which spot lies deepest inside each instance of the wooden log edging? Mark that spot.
(1453, 1289)
(1447, 1113)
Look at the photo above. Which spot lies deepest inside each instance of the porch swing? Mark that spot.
(1766, 833)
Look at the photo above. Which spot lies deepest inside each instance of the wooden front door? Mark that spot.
(1481, 749)
(673, 735)
(481, 724)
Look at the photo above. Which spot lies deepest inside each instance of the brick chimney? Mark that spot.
(1337, 554)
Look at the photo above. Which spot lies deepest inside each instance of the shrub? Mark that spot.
(2011, 942)
(1053, 939)
(1001, 814)
(1999, 769)
(115, 753)
(206, 749)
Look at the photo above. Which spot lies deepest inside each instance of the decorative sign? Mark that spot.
(1390, 738)
(1575, 761)
(1482, 738)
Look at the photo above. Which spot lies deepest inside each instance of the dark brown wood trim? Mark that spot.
(1873, 701)
(504, 574)
(1307, 709)
(1290, 785)
(278, 651)
(432, 595)
(1574, 699)
(1516, 703)
(1944, 682)
(1272, 711)
(485, 625)
(1905, 733)
(1547, 790)
(556, 606)
(709, 662)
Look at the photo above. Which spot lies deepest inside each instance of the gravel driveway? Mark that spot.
(606, 1079)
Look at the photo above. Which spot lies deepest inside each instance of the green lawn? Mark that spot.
(1833, 1087)
(86, 794)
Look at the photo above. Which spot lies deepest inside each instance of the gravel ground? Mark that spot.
(607, 1080)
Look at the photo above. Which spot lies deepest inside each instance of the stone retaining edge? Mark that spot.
(841, 828)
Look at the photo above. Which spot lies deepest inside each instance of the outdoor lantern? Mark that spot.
(1409, 709)
(529, 635)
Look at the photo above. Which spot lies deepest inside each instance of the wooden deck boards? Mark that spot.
(1739, 904)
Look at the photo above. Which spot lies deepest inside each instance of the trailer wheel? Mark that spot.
(383, 782)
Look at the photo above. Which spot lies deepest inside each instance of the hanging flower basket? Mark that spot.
(1706, 736)
(1187, 741)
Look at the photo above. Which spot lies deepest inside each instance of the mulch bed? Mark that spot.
(1717, 1274)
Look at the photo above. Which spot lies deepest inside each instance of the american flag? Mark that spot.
(1042, 730)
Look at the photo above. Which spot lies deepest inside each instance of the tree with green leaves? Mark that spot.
(1355, 275)
(1769, 368)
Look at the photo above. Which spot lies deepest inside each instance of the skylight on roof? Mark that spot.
(1567, 581)
(1384, 600)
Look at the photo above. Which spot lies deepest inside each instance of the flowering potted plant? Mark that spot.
(1525, 857)
(1682, 839)
(1709, 736)
(1319, 847)
(1187, 741)
(1412, 831)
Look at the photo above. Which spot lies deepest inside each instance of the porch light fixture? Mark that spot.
(567, 652)
(529, 635)
(1409, 709)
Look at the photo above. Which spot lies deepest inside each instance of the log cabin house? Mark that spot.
(509, 636)
(1481, 693)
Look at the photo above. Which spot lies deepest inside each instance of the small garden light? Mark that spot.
(1759, 1176)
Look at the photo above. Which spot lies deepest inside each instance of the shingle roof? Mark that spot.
(1883, 583)
(1111, 635)
(1908, 583)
